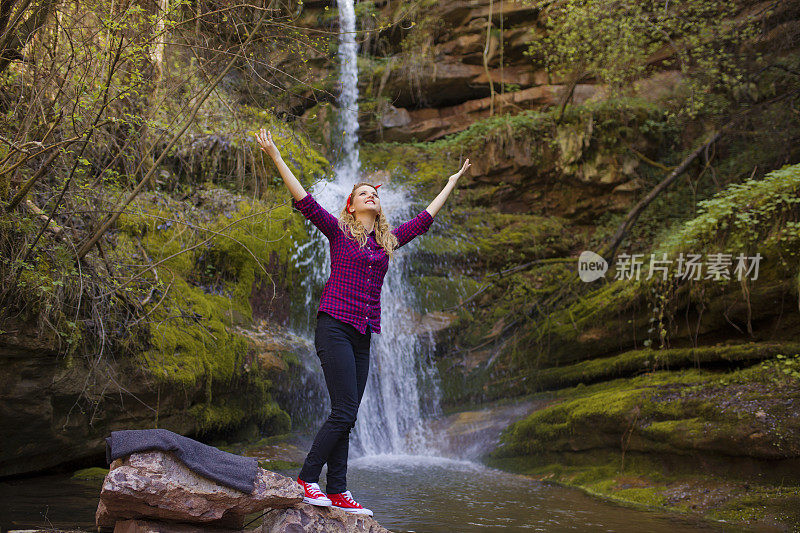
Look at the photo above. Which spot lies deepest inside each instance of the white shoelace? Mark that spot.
(348, 497)
(314, 490)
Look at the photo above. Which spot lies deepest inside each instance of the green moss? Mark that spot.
(94, 473)
(646, 360)
(235, 411)
(565, 331)
(194, 343)
(534, 133)
(669, 412)
(49, 287)
(203, 292)
(646, 496)
(461, 387)
(291, 359)
(191, 335)
(279, 465)
(488, 239)
(442, 292)
(759, 215)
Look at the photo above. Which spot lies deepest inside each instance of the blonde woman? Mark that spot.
(362, 243)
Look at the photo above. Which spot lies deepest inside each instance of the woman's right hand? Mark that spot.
(264, 139)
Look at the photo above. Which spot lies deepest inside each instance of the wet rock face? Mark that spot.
(47, 397)
(155, 485)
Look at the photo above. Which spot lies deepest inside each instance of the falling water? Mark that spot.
(348, 167)
(402, 389)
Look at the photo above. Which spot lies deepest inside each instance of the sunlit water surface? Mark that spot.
(406, 493)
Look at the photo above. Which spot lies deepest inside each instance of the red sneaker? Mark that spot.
(345, 502)
(313, 495)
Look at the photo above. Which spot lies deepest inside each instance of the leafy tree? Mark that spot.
(618, 41)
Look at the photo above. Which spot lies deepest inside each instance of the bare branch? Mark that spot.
(88, 245)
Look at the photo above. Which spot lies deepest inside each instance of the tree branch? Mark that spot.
(110, 222)
(609, 251)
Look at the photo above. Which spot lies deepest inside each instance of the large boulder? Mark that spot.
(305, 518)
(156, 485)
(146, 526)
(301, 519)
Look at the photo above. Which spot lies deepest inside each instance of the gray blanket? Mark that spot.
(231, 470)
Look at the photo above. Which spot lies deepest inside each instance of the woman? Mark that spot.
(361, 243)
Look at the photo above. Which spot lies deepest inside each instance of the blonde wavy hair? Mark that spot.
(355, 230)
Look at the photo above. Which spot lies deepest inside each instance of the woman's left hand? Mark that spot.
(458, 174)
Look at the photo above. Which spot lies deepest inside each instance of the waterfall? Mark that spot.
(348, 167)
(402, 388)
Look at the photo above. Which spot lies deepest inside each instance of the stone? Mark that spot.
(436, 321)
(145, 526)
(633, 185)
(158, 486)
(429, 124)
(306, 518)
(463, 45)
(395, 117)
(472, 434)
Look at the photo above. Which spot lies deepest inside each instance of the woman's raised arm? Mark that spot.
(438, 202)
(303, 201)
(264, 139)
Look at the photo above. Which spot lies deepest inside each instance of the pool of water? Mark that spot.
(434, 494)
(406, 494)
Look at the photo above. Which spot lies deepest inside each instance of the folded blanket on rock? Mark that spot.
(225, 468)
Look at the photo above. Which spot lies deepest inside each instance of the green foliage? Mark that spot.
(755, 217)
(48, 285)
(615, 42)
(441, 292)
(366, 9)
(756, 214)
(416, 48)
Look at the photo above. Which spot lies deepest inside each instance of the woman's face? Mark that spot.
(365, 199)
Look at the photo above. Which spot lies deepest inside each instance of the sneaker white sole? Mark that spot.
(355, 511)
(317, 501)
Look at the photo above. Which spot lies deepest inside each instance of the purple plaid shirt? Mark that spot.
(353, 291)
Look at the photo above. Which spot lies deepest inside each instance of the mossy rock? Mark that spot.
(277, 464)
(648, 360)
(94, 473)
(743, 413)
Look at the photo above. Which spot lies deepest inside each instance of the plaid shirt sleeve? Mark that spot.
(318, 215)
(413, 228)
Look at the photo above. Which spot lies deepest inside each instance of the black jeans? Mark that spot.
(344, 355)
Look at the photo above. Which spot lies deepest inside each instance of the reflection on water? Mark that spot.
(48, 501)
(433, 494)
(407, 494)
